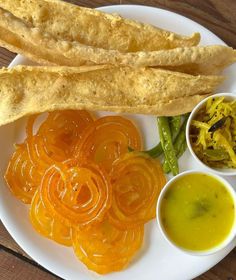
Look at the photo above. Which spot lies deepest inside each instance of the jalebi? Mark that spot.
(56, 137)
(107, 139)
(21, 175)
(85, 187)
(104, 248)
(53, 142)
(46, 225)
(76, 195)
(136, 182)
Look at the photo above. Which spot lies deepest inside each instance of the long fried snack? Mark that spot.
(43, 46)
(26, 90)
(94, 28)
(204, 60)
(20, 37)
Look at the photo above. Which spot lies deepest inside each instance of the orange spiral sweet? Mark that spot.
(21, 175)
(47, 225)
(104, 248)
(85, 188)
(56, 137)
(52, 143)
(136, 182)
(107, 139)
(76, 195)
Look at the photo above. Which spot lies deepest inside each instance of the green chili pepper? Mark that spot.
(155, 152)
(175, 125)
(179, 144)
(182, 149)
(165, 165)
(167, 145)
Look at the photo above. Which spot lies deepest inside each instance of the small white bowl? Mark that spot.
(210, 251)
(220, 171)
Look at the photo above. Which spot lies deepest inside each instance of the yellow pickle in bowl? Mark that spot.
(213, 133)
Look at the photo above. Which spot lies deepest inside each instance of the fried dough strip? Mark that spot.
(44, 48)
(26, 90)
(205, 60)
(19, 37)
(90, 27)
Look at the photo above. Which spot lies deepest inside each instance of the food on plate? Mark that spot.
(136, 181)
(22, 176)
(56, 51)
(167, 145)
(173, 141)
(213, 133)
(27, 90)
(88, 182)
(54, 142)
(93, 27)
(56, 137)
(61, 25)
(106, 139)
(46, 224)
(76, 194)
(104, 248)
(197, 212)
(154, 152)
(84, 187)
(203, 60)
(70, 45)
(175, 125)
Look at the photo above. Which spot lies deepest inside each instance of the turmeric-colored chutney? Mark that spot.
(197, 211)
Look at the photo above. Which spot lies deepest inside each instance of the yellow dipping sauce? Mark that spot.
(197, 212)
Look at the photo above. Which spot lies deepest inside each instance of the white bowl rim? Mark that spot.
(230, 236)
(224, 172)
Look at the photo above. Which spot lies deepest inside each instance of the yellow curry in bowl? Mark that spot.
(197, 212)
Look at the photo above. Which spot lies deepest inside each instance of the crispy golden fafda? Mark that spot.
(26, 90)
(90, 27)
(41, 45)
(39, 42)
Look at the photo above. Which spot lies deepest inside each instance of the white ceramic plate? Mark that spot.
(157, 260)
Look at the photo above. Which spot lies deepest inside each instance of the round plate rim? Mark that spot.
(8, 225)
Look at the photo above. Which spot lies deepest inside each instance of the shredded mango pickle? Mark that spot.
(213, 133)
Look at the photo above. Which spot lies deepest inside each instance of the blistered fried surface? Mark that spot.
(27, 90)
(23, 37)
(94, 28)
